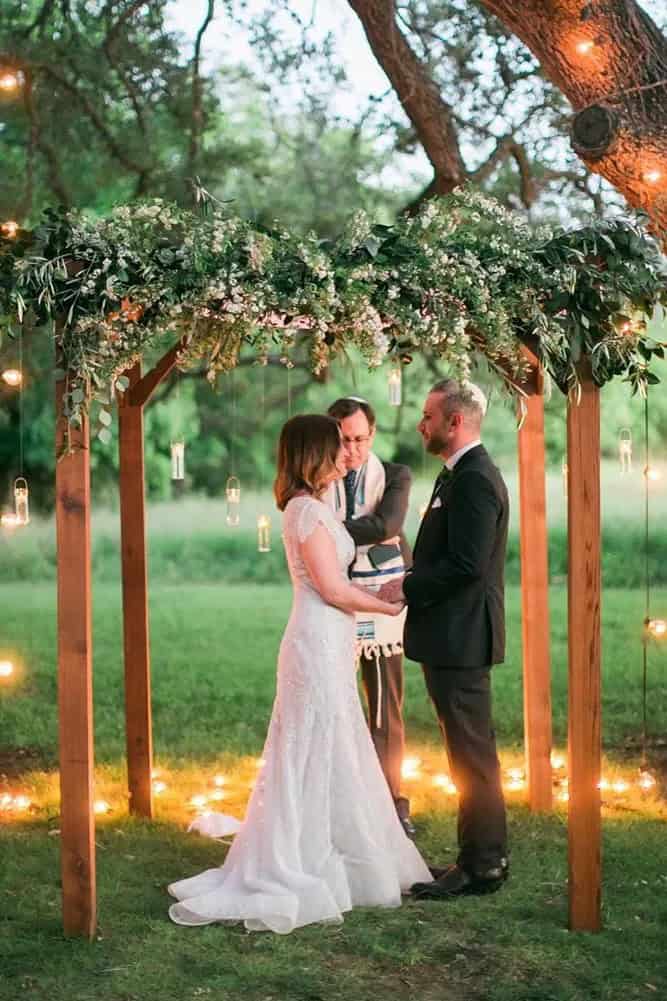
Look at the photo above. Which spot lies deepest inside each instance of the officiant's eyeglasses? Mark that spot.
(360, 439)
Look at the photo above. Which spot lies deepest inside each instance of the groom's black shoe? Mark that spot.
(438, 871)
(457, 882)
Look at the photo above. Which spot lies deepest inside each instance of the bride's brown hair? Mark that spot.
(307, 452)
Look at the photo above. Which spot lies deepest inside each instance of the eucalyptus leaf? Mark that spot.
(104, 434)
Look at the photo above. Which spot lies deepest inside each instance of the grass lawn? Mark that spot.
(213, 653)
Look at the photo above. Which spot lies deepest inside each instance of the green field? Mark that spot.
(213, 654)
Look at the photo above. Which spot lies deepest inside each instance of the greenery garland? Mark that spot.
(462, 276)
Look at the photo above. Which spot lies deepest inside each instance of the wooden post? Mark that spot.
(535, 605)
(583, 514)
(75, 690)
(135, 602)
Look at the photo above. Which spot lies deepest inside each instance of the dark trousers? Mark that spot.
(462, 700)
(383, 683)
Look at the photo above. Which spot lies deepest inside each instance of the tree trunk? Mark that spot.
(610, 61)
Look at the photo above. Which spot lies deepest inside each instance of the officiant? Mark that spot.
(372, 501)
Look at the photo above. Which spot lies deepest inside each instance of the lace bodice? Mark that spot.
(301, 517)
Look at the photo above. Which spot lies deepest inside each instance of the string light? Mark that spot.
(10, 229)
(199, 801)
(159, 787)
(219, 780)
(656, 628)
(9, 81)
(6, 669)
(410, 768)
(101, 806)
(12, 377)
(584, 46)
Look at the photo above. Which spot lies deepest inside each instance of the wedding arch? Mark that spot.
(463, 277)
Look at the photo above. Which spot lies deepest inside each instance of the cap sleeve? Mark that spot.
(312, 514)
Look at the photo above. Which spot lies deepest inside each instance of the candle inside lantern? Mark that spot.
(625, 449)
(9, 520)
(12, 377)
(395, 383)
(178, 460)
(264, 534)
(21, 506)
(233, 494)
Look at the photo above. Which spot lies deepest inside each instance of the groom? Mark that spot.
(456, 627)
(372, 501)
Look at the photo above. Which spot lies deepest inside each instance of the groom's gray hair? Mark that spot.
(463, 398)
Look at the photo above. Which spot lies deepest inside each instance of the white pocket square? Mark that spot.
(436, 503)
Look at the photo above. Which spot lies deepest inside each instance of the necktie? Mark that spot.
(349, 483)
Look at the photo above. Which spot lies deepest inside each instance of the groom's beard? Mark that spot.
(435, 445)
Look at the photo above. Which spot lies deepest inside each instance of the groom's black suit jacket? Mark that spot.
(455, 591)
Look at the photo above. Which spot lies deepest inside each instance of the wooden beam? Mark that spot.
(135, 601)
(141, 392)
(75, 701)
(583, 514)
(535, 604)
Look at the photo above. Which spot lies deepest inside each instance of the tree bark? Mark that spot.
(610, 60)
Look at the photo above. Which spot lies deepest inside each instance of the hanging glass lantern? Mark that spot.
(233, 493)
(264, 534)
(395, 383)
(178, 460)
(625, 449)
(21, 507)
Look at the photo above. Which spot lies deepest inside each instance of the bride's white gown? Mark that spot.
(321, 833)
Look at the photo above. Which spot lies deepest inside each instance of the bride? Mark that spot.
(321, 833)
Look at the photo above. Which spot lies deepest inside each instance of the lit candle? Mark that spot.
(395, 383)
(410, 768)
(233, 494)
(625, 449)
(21, 507)
(12, 377)
(9, 520)
(264, 534)
(101, 806)
(178, 460)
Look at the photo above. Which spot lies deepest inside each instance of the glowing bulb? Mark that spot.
(563, 796)
(619, 786)
(9, 520)
(652, 176)
(584, 46)
(9, 81)
(159, 787)
(101, 806)
(646, 781)
(219, 780)
(12, 377)
(218, 794)
(652, 474)
(657, 627)
(557, 760)
(6, 668)
(21, 802)
(199, 801)
(410, 768)
(604, 784)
